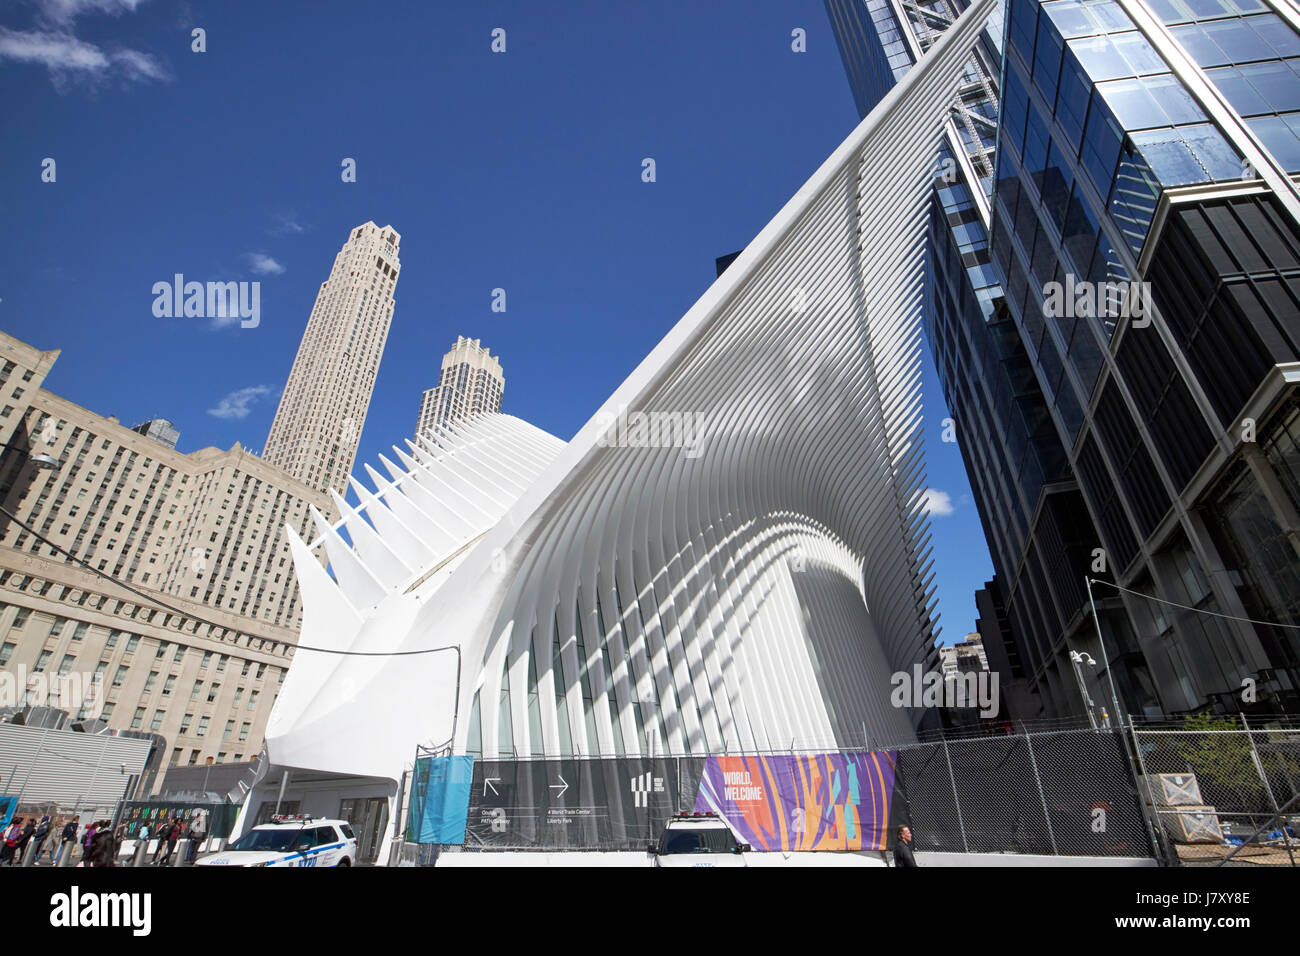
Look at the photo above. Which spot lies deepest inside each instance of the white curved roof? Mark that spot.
(749, 584)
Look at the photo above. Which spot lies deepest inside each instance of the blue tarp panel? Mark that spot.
(440, 790)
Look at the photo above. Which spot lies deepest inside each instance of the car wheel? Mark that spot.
(345, 862)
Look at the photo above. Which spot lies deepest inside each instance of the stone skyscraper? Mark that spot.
(318, 424)
(471, 383)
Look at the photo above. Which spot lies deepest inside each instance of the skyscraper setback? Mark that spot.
(318, 425)
(471, 383)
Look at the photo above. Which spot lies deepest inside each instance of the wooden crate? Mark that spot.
(1191, 824)
(1172, 790)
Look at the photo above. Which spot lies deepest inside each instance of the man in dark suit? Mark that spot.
(903, 848)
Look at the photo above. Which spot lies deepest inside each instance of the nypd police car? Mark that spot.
(697, 839)
(290, 841)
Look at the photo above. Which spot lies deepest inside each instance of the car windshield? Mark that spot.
(280, 838)
(712, 840)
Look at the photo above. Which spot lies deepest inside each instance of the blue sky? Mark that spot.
(519, 170)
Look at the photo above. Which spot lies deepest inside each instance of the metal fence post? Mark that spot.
(1171, 857)
(1268, 788)
(1047, 815)
(952, 778)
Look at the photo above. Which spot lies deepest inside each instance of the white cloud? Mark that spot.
(67, 57)
(238, 404)
(936, 503)
(263, 264)
(286, 224)
(65, 11)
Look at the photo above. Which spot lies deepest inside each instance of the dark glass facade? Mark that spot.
(1144, 420)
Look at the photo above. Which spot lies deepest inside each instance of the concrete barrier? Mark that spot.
(180, 852)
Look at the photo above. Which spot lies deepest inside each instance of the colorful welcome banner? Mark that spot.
(837, 801)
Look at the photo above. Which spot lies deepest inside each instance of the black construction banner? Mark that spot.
(596, 804)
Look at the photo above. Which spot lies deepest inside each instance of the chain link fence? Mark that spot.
(1057, 793)
(1184, 797)
(1223, 796)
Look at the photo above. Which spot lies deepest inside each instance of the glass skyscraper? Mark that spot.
(1126, 406)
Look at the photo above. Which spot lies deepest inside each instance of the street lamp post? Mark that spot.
(1076, 659)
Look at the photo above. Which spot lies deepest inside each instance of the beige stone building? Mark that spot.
(200, 532)
(318, 424)
(471, 383)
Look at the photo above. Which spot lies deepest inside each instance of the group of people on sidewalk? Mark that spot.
(100, 841)
(170, 831)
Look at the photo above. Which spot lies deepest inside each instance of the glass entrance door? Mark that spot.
(368, 817)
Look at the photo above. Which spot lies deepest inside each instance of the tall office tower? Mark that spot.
(471, 384)
(318, 425)
(1146, 229)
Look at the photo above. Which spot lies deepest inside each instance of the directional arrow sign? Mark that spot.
(487, 784)
(557, 786)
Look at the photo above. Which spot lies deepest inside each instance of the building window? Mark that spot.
(207, 657)
(132, 643)
(150, 681)
(157, 720)
(6, 652)
(111, 640)
(138, 719)
(243, 731)
(120, 677)
(230, 727)
(194, 691)
(65, 665)
(168, 685)
(213, 691)
(203, 727)
(42, 661)
(252, 699)
(185, 723)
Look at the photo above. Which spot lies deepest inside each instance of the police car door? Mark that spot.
(325, 837)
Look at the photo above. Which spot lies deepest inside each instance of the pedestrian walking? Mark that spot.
(11, 837)
(103, 847)
(86, 839)
(172, 834)
(23, 839)
(903, 848)
(197, 836)
(67, 839)
(40, 836)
